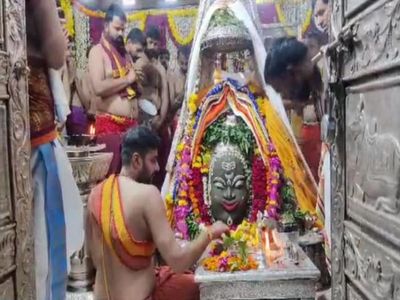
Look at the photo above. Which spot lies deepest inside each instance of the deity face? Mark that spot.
(228, 189)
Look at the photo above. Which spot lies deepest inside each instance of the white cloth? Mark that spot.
(72, 202)
(61, 101)
(73, 213)
(39, 224)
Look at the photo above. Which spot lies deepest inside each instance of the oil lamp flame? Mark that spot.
(273, 246)
(92, 130)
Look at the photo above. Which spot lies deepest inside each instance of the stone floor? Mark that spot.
(322, 295)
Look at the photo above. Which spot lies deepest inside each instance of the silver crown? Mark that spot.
(225, 38)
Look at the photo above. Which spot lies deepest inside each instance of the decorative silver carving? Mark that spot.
(226, 39)
(4, 72)
(337, 149)
(374, 163)
(370, 265)
(14, 15)
(7, 250)
(1, 26)
(7, 289)
(355, 6)
(6, 214)
(90, 170)
(377, 41)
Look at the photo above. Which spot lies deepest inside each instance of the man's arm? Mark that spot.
(106, 87)
(53, 43)
(164, 95)
(177, 257)
(171, 87)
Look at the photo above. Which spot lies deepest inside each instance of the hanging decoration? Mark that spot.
(291, 12)
(180, 21)
(67, 9)
(82, 40)
(182, 25)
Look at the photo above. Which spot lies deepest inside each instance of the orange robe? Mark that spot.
(107, 208)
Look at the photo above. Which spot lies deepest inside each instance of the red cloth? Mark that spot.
(171, 286)
(109, 131)
(41, 104)
(311, 146)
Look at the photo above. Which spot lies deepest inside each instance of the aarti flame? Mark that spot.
(92, 130)
(273, 246)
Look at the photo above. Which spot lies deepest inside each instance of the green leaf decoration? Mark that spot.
(239, 135)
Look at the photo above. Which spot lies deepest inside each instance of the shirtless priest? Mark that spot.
(127, 222)
(114, 81)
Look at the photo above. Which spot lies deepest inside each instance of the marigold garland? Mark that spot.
(66, 7)
(141, 17)
(171, 15)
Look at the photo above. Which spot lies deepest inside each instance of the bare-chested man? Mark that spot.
(127, 223)
(151, 85)
(113, 80)
(165, 58)
(177, 80)
(153, 40)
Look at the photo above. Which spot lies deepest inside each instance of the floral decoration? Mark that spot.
(66, 7)
(233, 252)
(188, 205)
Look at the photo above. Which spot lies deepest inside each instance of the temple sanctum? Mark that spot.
(199, 150)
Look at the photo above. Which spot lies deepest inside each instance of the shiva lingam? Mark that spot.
(89, 166)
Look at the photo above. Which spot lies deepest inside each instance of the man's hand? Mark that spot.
(135, 75)
(217, 229)
(131, 76)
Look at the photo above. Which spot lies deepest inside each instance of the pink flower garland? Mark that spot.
(182, 210)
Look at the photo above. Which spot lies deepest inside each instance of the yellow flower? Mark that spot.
(192, 107)
(193, 103)
(180, 147)
(237, 235)
(196, 211)
(182, 203)
(197, 164)
(204, 170)
(182, 194)
(224, 254)
(169, 200)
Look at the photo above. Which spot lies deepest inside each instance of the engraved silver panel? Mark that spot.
(372, 266)
(7, 250)
(373, 159)
(376, 44)
(4, 73)
(5, 198)
(7, 289)
(353, 7)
